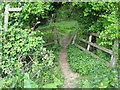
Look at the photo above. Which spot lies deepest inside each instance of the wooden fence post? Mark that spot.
(90, 39)
(74, 37)
(115, 53)
(55, 35)
(6, 16)
(7, 9)
(58, 37)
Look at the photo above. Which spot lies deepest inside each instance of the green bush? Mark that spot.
(94, 72)
(56, 71)
(83, 62)
(23, 52)
(63, 26)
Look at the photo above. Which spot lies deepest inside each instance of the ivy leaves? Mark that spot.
(18, 43)
(30, 11)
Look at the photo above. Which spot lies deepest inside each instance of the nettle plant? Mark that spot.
(23, 52)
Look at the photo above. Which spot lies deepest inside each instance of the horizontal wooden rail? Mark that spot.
(49, 36)
(92, 54)
(92, 33)
(42, 30)
(97, 46)
(48, 43)
(113, 52)
(95, 34)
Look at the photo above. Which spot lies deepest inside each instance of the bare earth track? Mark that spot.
(70, 77)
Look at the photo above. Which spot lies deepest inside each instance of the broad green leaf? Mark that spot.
(86, 84)
(51, 85)
(28, 83)
(57, 81)
(105, 82)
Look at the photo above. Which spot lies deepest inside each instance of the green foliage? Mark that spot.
(62, 27)
(28, 83)
(104, 83)
(56, 50)
(44, 27)
(42, 71)
(28, 64)
(56, 71)
(100, 17)
(65, 26)
(53, 85)
(94, 72)
(86, 84)
(85, 66)
(22, 51)
(32, 12)
(48, 36)
(65, 12)
(111, 30)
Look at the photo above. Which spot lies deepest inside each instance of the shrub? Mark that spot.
(23, 52)
(94, 72)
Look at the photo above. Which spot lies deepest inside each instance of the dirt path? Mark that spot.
(70, 77)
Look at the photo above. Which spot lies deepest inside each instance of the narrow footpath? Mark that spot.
(70, 77)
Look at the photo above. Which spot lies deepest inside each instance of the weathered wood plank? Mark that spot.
(55, 35)
(70, 40)
(42, 30)
(59, 37)
(15, 9)
(6, 16)
(74, 38)
(48, 43)
(95, 34)
(115, 54)
(97, 46)
(48, 36)
(92, 54)
(90, 39)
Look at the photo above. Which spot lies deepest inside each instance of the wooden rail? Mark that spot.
(48, 29)
(56, 35)
(48, 43)
(95, 34)
(56, 38)
(97, 46)
(92, 54)
(112, 52)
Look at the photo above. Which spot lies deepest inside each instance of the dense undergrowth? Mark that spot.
(26, 63)
(61, 26)
(94, 72)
